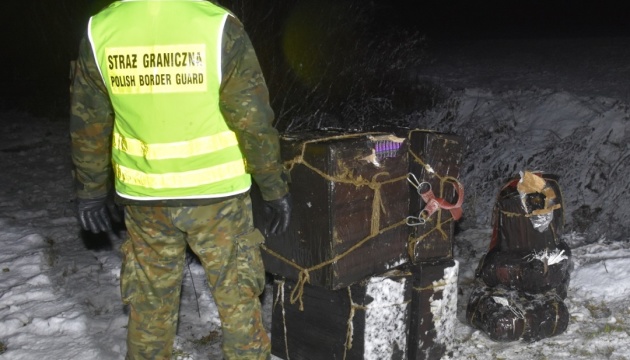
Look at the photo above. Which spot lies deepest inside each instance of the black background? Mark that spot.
(40, 37)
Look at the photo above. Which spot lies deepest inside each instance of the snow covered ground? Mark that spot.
(559, 105)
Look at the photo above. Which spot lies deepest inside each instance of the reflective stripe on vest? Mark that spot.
(181, 179)
(161, 63)
(181, 149)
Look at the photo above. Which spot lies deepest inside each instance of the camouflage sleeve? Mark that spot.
(91, 122)
(246, 109)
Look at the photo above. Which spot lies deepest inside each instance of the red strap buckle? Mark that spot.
(433, 203)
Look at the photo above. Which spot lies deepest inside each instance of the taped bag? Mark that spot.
(533, 272)
(526, 252)
(528, 214)
(523, 278)
(510, 315)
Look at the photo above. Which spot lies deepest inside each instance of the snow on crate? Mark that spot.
(433, 315)
(367, 320)
(385, 317)
(444, 309)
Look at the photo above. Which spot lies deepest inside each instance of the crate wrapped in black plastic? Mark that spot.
(528, 214)
(510, 315)
(526, 251)
(533, 272)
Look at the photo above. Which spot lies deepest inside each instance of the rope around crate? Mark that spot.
(304, 277)
(377, 204)
(353, 308)
(413, 242)
(350, 322)
(377, 207)
(280, 298)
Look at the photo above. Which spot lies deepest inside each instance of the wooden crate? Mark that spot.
(367, 320)
(350, 201)
(434, 158)
(433, 314)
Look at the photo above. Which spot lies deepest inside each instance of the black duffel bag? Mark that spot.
(510, 315)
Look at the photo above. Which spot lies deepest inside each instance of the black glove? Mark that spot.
(96, 215)
(278, 215)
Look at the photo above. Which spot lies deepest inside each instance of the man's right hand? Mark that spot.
(96, 215)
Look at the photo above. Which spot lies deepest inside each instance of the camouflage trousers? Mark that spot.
(223, 237)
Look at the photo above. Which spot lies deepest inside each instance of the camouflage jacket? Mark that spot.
(92, 119)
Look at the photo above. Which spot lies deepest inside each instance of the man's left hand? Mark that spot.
(278, 214)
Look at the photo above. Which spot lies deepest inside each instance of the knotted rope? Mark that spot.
(423, 217)
(343, 178)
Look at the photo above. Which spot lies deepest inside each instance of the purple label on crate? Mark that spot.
(386, 148)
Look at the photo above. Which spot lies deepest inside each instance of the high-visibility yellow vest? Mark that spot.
(161, 63)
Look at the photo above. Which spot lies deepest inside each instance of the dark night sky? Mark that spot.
(40, 36)
(515, 18)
